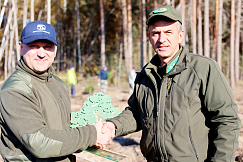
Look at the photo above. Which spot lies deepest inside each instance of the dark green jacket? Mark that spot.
(191, 117)
(35, 112)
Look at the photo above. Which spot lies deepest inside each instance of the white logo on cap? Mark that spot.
(41, 28)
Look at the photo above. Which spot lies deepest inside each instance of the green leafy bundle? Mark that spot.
(97, 107)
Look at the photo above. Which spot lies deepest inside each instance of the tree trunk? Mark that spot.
(5, 44)
(144, 36)
(2, 12)
(168, 2)
(155, 4)
(49, 11)
(150, 49)
(182, 3)
(10, 53)
(32, 10)
(6, 31)
(232, 45)
(25, 12)
(206, 29)
(194, 26)
(124, 15)
(15, 8)
(129, 37)
(120, 62)
(64, 42)
(102, 25)
(237, 41)
(78, 38)
(215, 29)
(199, 13)
(219, 35)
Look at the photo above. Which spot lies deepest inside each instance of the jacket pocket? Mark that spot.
(175, 105)
(146, 143)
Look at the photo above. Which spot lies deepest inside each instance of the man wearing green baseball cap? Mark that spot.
(181, 101)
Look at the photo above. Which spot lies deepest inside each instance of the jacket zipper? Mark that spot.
(193, 147)
(64, 106)
(156, 121)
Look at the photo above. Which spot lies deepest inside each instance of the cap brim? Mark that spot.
(38, 37)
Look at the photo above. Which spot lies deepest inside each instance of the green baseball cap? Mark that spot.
(166, 11)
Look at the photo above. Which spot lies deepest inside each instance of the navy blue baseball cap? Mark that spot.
(37, 30)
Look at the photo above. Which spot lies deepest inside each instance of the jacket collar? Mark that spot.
(179, 66)
(41, 77)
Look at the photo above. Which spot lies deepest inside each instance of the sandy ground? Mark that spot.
(129, 145)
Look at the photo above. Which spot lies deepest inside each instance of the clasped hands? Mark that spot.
(105, 133)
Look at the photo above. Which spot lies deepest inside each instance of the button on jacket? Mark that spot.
(35, 112)
(186, 115)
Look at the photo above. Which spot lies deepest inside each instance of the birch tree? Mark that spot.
(182, 11)
(124, 16)
(102, 25)
(128, 56)
(150, 49)
(194, 26)
(144, 36)
(237, 41)
(15, 10)
(2, 12)
(49, 11)
(25, 12)
(32, 10)
(219, 35)
(206, 29)
(215, 29)
(78, 37)
(199, 27)
(232, 45)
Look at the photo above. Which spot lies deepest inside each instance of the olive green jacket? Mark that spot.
(191, 117)
(35, 112)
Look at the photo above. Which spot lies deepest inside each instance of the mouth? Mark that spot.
(40, 61)
(162, 47)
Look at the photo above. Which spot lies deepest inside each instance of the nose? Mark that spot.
(162, 37)
(41, 52)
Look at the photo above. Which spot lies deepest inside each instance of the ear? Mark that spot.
(181, 35)
(55, 51)
(21, 48)
(149, 36)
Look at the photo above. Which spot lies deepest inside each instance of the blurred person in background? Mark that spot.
(131, 79)
(102, 79)
(72, 80)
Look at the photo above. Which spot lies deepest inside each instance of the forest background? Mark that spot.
(91, 33)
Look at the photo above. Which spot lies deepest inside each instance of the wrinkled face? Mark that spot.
(165, 38)
(38, 55)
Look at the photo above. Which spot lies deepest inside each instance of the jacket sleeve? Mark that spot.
(21, 114)
(221, 114)
(128, 121)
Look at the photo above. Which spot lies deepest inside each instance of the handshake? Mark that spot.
(105, 133)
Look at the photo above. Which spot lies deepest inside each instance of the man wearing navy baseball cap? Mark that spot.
(181, 101)
(35, 107)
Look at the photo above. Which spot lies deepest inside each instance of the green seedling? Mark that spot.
(97, 107)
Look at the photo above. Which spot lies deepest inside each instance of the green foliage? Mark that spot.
(98, 106)
(89, 89)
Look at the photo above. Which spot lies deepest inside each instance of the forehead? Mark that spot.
(164, 24)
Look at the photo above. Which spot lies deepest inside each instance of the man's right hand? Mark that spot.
(105, 133)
